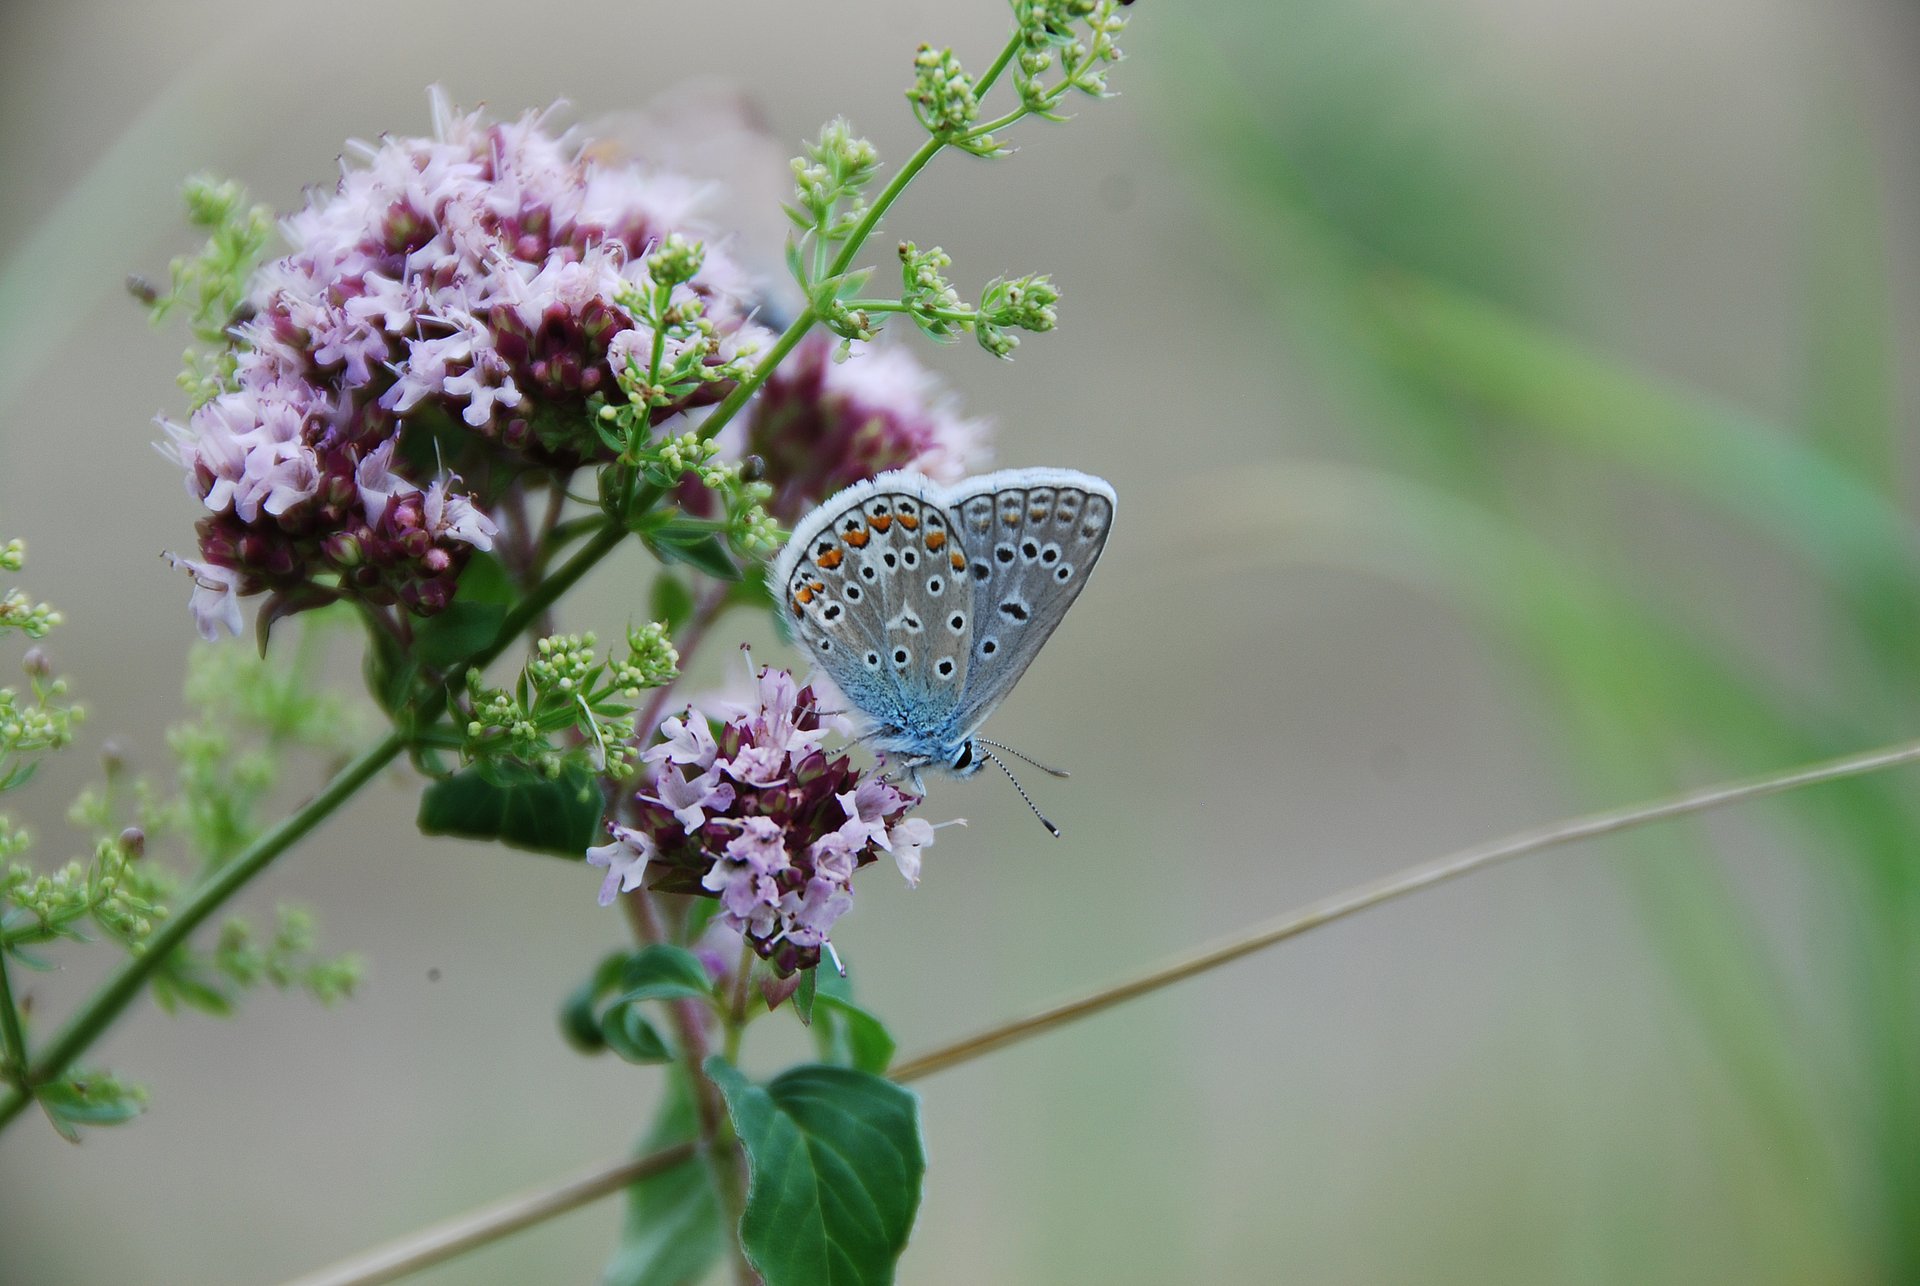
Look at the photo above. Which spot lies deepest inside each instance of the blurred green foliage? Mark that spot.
(1404, 227)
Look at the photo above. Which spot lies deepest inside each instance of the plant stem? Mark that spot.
(1412, 880)
(130, 978)
(722, 1158)
(745, 389)
(610, 1176)
(478, 1227)
(13, 1041)
(888, 195)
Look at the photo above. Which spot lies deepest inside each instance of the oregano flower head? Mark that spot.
(452, 316)
(755, 812)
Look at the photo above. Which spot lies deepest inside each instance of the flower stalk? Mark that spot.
(477, 1228)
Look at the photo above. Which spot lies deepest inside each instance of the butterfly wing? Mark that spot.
(873, 582)
(1033, 536)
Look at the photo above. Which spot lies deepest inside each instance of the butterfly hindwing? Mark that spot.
(1033, 536)
(869, 583)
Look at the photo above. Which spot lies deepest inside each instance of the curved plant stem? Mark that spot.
(131, 977)
(722, 1157)
(1398, 885)
(417, 1249)
(489, 1223)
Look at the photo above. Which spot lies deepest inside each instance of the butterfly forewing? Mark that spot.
(873, 582)
(1033, 536)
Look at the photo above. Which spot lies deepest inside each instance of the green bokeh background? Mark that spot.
(1506, 403)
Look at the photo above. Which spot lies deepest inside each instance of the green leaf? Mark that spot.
(629, 1034)
(851, 1035)
(182, 981)
(558, 815)
(443, 641)
(804, 994)
(672, 601)
(77, 1100)
(694, 543)
(471, 621)
(673, 1232)
(662, 972)
(390, 671)
(579, 1016)
(835, 1165)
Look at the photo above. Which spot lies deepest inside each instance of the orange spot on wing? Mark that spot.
(935, 539)
(802, 597)
(910, 522)
(816, 586)
(959, 562)
(880, 522)
(830, 559)
(858, 539)
(1011, 517)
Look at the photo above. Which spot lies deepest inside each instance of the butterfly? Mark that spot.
(925, 603)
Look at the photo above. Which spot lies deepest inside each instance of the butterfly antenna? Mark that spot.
(1051, 772)
(998, 763)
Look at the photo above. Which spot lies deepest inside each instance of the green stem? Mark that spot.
(13, 1041)
(131, 977)
(888, 195)
(718, 1151)
(981, 86)
(737, 1010)
(745, 390)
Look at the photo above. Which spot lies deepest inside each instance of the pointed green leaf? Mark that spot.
(629, 1034)
(662, 972)
(835, 1165)
(851, 1035)
(558, 815)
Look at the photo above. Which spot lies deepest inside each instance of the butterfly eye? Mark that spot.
(853, 593)
(935, 585)
(1030, 551)
(988, 647)
(901, 656)
(1004, 553)
(1064, 573)
(945, 666)
(957, 622)
(873, 660)
(908, 557)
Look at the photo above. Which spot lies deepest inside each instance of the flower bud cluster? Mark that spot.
(829, 178)
(942, 95)
(569, 704)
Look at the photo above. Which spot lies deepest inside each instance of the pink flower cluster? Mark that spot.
(821, 425)
(761, 817)
(452, 305)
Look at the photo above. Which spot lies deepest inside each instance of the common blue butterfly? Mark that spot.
(926, 603)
